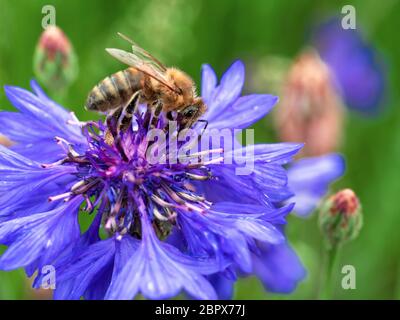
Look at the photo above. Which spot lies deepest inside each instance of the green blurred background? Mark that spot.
(189, 33)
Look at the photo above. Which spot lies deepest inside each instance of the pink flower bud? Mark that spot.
(340, 217)
(55, 63)
(345, 202)
(53, 41)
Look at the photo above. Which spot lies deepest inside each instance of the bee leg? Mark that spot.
(198, 140)
(205, 126)
(202, 130)
(112, 136)
(189, 125)
(133, 104)
(112, 118)
(112, 125)
(119, 119)
(127, 111)
(157, 111)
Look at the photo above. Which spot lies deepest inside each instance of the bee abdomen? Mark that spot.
(134, 79)
(114, 90)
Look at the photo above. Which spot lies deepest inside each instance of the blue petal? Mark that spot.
(51, 107)
(85, 268)
(9, 160)
(279, 153)
(39, 121)
(42, 151)
(30, 105)
(243, 188)
(310, 178)
(99, 286)
(244, 112)
(160, 271)
(256, 227)
(279, 268)
(266, 185)
(206, 236)
(252, 211)
(25, 185)
(227, 92)
(226, 234)
(208, 82)
(74, 250)
(18, 127)
(42, 235)
(223, 286)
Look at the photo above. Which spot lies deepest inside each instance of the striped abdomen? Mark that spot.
(115, 90)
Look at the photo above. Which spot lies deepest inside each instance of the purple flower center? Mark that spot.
(118, 180)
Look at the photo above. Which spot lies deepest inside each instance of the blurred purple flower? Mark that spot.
(358, 68)
(309, 179)
(167, 228)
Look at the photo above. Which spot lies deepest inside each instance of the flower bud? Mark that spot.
(340, 218)
(310, 109)
(55, 63)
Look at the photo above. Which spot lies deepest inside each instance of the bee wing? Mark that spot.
(140, 64)
(144, 54)
(135, 60)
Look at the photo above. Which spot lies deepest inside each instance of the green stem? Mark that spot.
(397, 285)
(326, 291)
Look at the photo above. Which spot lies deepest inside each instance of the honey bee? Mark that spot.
(148, 81)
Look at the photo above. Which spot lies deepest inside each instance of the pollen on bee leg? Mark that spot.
(109, 139)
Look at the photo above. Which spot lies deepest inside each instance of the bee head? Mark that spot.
(189, 114)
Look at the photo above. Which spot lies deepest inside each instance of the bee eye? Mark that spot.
(190, 111)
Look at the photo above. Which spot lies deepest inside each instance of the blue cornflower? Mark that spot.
(157, 228)
(356, 65)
